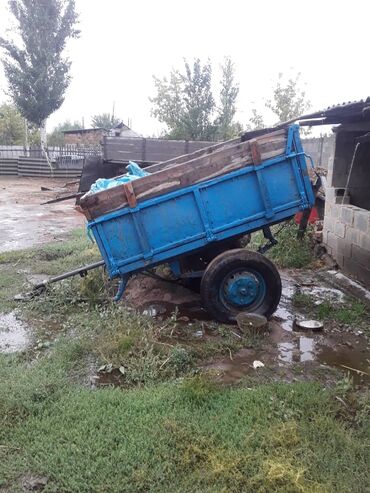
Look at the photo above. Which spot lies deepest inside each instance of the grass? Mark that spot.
(168, 427)
(350, 313)
(146, 350)
(290, 251)
(185, 435)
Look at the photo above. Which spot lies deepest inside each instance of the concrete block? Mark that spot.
(329, 194)
(335, 211)
(332, 241)
(363, 241)
(361, 256)
(352, 236)
(328, 209)
(357, 270)
(340, 229)
(338, 257)
(361, 220)
(329, 224)
(347, 215)
(344, 247)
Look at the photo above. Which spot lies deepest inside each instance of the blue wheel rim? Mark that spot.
(243, 290)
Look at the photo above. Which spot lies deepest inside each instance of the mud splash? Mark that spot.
(13, 333)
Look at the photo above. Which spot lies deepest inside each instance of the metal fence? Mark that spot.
(67, 153)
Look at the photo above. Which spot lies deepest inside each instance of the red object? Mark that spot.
(314, 216)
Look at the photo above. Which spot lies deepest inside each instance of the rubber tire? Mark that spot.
(227, 262)
(200, 260)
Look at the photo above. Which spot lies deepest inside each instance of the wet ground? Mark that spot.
(24, 222)
(14, 334)
(285, 346)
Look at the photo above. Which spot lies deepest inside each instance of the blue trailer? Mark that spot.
(203, 221)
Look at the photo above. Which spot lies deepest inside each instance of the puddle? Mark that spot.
(283, 349)
(13, 334)
(285, 318)
(25, 222)
(348, 360)
(185, 312)
(320, 293)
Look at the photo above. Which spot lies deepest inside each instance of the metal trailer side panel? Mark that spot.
(171, 225)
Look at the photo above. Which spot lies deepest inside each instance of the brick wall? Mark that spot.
(93, 137)
(347, 235)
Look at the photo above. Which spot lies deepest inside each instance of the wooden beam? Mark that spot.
(182, 174)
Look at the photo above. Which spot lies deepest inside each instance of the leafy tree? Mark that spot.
(185, 103)
(56, 137)
(104, 120)
(198, 101)
(37, 71)
(256, 121)
(226, 128)
(168, 104)
(12, 126)
(14, 129)
(289, 99)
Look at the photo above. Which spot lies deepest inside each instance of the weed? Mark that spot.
(290, 251)
(302, 300)
(197, 389)
(180, 359)
(353, 312)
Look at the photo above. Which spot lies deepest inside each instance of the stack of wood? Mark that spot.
(184, 171)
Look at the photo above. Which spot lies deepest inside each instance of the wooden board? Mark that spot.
(121, 149)
(185, 171)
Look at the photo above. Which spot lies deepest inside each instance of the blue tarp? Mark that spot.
(133, 173)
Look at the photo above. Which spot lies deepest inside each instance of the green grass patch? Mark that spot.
(179, 437)
(352, 313)
(290, 251)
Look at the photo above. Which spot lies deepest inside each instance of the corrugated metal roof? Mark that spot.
(350, 112)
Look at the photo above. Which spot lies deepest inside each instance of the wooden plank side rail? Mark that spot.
(186, 170)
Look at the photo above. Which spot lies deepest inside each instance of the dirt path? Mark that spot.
(24, 222)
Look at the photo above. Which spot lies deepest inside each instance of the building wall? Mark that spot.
(84, 138)
(321, 149)
(346, 231)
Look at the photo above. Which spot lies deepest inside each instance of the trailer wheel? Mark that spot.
(240, 281)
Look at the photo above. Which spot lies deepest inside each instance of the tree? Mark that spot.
(289, 99)
(56, 137)
(36, 70)
(256, 121)
(226, 128)
(198, 101)
(14, 129)
(185, 103)
(104, 120)
(12, 126)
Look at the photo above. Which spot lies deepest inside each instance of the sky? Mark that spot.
(123, 43)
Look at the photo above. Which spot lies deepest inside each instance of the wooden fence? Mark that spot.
(141, 150)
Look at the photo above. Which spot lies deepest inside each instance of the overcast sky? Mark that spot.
(123, 43)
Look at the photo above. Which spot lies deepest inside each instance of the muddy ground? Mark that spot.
(288, 352)
(24, 221)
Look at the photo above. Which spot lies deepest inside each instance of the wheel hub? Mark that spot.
(242, 289)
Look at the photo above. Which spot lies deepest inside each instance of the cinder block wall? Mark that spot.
(347, 237)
